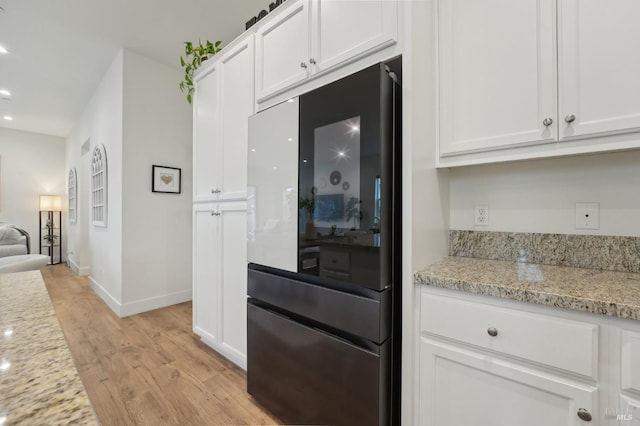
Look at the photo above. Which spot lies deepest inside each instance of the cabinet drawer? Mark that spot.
(565, 344)
(335, 260)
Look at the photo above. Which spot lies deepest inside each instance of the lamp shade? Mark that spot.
(50, 203)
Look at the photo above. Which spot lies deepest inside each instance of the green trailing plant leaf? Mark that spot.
(194, 56)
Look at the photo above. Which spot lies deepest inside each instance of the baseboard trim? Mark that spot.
(139, 306)
(228, 352)
(112, 303)
(157, 302)
(80, 270)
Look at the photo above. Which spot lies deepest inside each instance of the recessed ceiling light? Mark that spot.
(5, 92)
(3, 50)
(8, 118)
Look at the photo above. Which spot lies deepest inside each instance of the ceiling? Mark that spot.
(60, 49)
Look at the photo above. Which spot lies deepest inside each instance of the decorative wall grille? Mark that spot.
(73, 196)
(99, 186)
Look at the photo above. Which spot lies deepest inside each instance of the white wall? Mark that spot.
(31, 164)
(100, 123)
(540, 195)
(156, 244)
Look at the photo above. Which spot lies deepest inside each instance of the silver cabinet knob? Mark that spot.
(312, 61)
(570, 118)
(493, 332)
(303, 65)
(584, 415)
(547, 122)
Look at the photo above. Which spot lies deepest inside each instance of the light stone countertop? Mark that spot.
(609, 293)
(39, 383)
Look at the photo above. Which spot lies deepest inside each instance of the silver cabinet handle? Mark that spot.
(215, 213)
(493, 332)
(583, 414)
(215, 191)
(312, 61)
(303, 65)
(570, 118)
(547, 122)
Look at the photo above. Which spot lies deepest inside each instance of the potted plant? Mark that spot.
(194, 55)
(309, 204)
(50, 237)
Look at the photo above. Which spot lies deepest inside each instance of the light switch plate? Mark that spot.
(587, 215)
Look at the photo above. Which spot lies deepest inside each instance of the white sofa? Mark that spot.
(15, 251)
(14, 241)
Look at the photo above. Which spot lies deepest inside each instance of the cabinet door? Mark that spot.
(205, 272)
(627, 414)
(599, 67)
(206, 135)
(233, 272)
(282, 49)
(497, 74)
(459, 387)
(342, 30)
(236, 106)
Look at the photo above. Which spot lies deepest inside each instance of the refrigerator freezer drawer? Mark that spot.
(364, 317)
(306, 376)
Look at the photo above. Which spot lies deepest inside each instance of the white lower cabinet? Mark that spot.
(491, 364)
(462, 386)
(205, 267)
(220, 278)
(626, 410)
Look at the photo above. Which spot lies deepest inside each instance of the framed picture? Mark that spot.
(166, 179)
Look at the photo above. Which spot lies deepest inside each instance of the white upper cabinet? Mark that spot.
(282, 49)
(341, 30)
(599, 65)
(223, 102)
(205, 134)
(536, 78)
(308, 37)
(497, 74)
(236, 106)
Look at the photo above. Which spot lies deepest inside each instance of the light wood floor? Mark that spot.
(147, 369)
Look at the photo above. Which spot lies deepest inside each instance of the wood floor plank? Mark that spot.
(148, 369)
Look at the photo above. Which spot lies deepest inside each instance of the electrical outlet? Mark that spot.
(587, 215)
(481, 215)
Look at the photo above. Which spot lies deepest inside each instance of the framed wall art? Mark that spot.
(166, 179)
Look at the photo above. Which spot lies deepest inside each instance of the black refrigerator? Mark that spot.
(324, 248)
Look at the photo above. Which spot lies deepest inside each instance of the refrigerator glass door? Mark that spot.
(272, 182)
(346, 180)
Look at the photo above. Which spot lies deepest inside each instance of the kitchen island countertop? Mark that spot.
(611, 293)
(39, 383)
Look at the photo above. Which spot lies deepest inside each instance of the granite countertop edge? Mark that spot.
(578, 289)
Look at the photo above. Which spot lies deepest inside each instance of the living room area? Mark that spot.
(31, 165)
